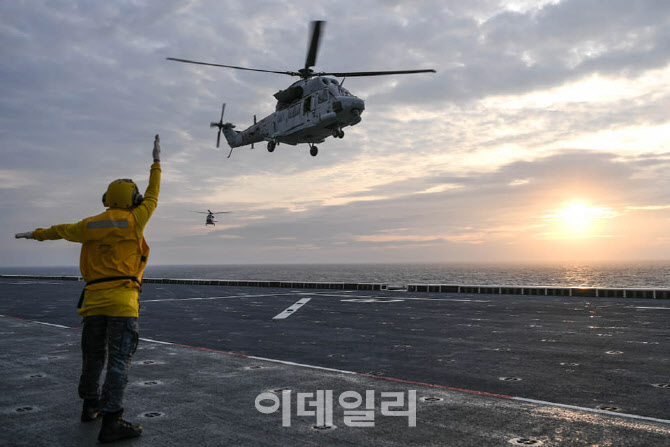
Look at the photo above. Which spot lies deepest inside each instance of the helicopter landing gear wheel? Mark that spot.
(271, 146)
(340, 134)
(313, 150)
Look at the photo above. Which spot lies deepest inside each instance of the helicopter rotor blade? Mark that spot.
(373, 73)
(218, 138)
(314, 44)
(290, 73)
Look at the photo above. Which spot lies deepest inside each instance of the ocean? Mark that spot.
(618, 275)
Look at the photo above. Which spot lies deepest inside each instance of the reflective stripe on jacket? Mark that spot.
(112, 247)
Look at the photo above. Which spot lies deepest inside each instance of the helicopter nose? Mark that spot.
(358, 104)
(349, 109)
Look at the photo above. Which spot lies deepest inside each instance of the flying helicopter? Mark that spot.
(308, 111)
(210, 216)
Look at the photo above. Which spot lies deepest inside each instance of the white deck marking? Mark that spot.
(640, 307)
(302, 365)
(156, 341)
(291, 310)
(461, 300)
(325, 294)
(54, 325)
(215, 297)
(593, 410)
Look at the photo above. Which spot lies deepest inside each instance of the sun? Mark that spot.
(577, 217)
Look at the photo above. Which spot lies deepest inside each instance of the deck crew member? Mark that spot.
(113, 256)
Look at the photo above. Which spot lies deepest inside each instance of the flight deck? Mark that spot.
(280, 364)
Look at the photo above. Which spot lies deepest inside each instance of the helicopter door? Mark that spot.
(293, 116)
(309, 107)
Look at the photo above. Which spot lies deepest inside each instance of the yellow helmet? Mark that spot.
(122, 193)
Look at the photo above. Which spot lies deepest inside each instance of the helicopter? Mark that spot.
(210, 216)
(308, 111)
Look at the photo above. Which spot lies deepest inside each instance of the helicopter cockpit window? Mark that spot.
(344, 91)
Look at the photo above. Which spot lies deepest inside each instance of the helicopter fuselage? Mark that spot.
(309, 111)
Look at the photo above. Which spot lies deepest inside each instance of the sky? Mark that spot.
(543, 136)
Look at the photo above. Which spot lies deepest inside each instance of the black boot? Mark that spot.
(90, 411)
(114, 428)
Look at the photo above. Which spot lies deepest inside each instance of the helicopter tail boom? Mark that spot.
(233, 137)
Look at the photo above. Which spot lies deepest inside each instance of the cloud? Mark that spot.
(16, 179)
(533, 104)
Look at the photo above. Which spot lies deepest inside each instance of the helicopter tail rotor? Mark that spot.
(219, 125)
(233, 138)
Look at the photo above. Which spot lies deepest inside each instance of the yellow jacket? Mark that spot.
(113, 244)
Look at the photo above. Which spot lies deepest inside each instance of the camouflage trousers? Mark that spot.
(113, 339)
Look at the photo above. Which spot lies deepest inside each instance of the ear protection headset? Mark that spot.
(122, 193)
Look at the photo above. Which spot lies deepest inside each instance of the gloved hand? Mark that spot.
(28, 235)
(157, 149)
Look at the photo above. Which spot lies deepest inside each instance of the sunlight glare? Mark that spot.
(577, 217)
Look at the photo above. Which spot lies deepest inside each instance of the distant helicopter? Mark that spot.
(310, 110)
(210, 216)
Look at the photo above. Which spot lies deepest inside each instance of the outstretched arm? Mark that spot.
(71, 232)
(145, 210)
